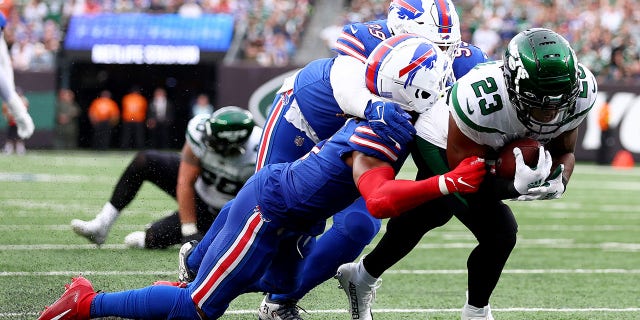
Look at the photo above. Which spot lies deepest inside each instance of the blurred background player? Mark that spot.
(538, 91)
(15, 104)
(259, 240)
(216, 159)
(354, 227)
(14, 143)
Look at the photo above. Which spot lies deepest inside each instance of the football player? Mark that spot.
(539, 91)
(266, 230)
(353, 228)
(8, 93)
(217, 158)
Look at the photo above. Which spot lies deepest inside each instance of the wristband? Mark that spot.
(442, 184)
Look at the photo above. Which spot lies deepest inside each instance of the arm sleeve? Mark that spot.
(349, 87)
(386, 197)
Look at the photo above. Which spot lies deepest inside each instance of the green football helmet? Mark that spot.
(541, 72)
(228, 129)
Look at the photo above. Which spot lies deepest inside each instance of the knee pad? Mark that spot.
(357, 225)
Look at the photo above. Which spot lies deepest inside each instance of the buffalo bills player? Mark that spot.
(8, 93)
(266, 228)
(299, 117)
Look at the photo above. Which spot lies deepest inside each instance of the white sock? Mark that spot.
(364, 276)
(475, 311)
(107, 215)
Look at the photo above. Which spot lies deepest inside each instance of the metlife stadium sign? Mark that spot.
(134, 38)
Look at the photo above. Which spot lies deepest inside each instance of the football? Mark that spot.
(506, 161)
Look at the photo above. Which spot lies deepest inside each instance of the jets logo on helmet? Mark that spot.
(409, 70)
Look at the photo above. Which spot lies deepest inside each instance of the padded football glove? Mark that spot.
(552, 188)
(527, 177)
(389, 121)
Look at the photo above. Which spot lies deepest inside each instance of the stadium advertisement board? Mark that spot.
(137, 38)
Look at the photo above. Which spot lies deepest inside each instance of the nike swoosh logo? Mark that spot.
(353, 29)
(460, 181)
(469, 109)
(58, 317)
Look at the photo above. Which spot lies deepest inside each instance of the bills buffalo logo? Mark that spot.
(424, 57)
(408, 9)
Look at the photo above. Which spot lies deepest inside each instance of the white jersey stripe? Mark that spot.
(375, 145)
(268, 129)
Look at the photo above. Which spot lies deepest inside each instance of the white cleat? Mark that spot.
(271, 310)
(184, 274)
(135, 240)
(472, 313)
(92, 230)
(361, 295)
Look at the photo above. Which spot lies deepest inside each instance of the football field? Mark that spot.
(576, 258)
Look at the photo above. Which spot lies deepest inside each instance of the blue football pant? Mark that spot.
(248, 254)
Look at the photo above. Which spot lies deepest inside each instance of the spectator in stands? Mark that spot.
(201, 106)
(134, 115)
(67, 113)
(160, 119)
(14, 143)
(104, 115)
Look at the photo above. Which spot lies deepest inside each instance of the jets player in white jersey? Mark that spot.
(8, 93)
(217, 158)
(539, 91)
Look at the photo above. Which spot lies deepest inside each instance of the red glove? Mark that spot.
(465, 178)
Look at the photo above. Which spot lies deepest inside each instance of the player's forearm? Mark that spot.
(186, 204)
(386, 197)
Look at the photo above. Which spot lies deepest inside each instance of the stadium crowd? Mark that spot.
(271, 29)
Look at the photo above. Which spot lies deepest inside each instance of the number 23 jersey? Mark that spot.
(480, 106)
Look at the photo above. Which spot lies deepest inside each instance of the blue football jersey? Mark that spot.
(313, 93)
(301, 195)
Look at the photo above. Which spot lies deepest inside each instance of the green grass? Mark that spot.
(577, 257)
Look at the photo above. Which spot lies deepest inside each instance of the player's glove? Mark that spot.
(389, 121)
(552, 188)
(465, 178)
(527, 177)
(25, 126)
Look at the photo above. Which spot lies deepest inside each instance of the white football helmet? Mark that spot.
(437, 20)
(409, 70)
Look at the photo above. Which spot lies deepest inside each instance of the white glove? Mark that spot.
(25, 125)
(553, 188)
(527, 177)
